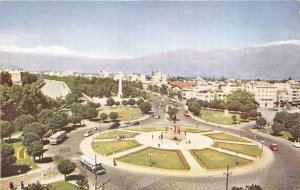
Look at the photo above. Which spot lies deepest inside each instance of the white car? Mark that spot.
(88, 133)
(297, 145)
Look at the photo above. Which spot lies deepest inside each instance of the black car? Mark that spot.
(255, 127)
(136, 123)
(115, 125)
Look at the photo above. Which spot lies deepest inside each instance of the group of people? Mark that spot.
(12, 186)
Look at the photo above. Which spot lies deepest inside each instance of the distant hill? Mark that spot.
(269, 61)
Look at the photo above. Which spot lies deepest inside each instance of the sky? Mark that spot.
(134, 29)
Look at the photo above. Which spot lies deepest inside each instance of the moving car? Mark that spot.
(296, 144)
(88, 133)
(273, 147)
(136, 123)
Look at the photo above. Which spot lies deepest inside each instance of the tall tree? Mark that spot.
(66, 167)
(29, 138)
(6, 129)
(22, 120)
(139, 101)
(110, 102)
(164, 89)
(124, 103)
(75, 118)
(172, 113)
(295, 130)
(131, 102)
(103, 116)
(36, 128)
(5, 78)
(7, 155)
(277, 128)
(54, 119)
(113, 115)
(261, 122)
(28, 78)
(35, 149)
(145, 107)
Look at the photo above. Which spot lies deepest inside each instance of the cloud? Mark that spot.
(9, 39)
(294, 42)
(55, 50)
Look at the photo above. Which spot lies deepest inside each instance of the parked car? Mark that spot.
(136, 123)
(88, 133)
(115, 125)
(297, 145)
(274, 147)
(157, 117)
(255, 127)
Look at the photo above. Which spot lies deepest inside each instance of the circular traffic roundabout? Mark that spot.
(180, 151)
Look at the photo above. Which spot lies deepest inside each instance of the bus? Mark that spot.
(58, 137)
(89, 164)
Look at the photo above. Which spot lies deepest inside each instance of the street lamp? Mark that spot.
(150, 161)
(227, 174)
(237, 157)
(262, 144)
(93, 141)
(197, 124)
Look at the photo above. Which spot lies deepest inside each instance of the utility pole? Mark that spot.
(227, 173)
(95, 171)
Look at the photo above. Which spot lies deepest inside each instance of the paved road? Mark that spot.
(282, 174)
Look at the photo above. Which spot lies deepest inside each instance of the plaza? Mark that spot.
(184, 151)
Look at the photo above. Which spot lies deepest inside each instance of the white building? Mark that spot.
(158, 78)
(15, 76)
(103, 74)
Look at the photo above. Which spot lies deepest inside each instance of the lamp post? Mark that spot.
(262, 144)
(150, 161)
(227, 173)
(197, 124)
(93, 142)
(237, 157)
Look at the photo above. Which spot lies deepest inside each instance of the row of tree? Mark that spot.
(101, 87)
(284, 121)
(238, 101)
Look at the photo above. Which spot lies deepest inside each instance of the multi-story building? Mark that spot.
(295, 87)
(103, 74)
(15, 76)
(158, 78)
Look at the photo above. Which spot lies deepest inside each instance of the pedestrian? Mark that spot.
(22, 185)
(152, 136)
(184, 133)
(11, 185)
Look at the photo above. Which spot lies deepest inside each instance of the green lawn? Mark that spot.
(212, 159)
(166, 159)
(146, 129)
(114, 134)
(251, 150)
(24, 162)
(113, 147)
(194, 130)
(218, 117)
(282, 134)
(226, 137)
(62, 185)
(125, 114)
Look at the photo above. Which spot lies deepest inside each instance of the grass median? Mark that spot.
(164, 159)
(114, 134)
(212, 159)
(112, 147)
(250, 150)
(227, 137)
